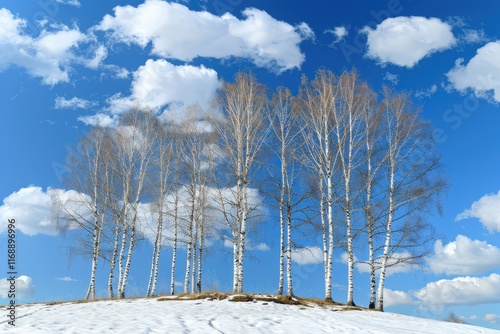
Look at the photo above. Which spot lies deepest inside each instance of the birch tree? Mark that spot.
(316, 104)
(174, 216)
(374, 160)
(242, 134)
(162, 163)
(353, 99)
(88, 179)
(284, 121)
(133, 153)
(414, 182)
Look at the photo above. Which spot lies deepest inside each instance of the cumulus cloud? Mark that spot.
(160, 84)
(460, 291)
(48, 56)
(481, 74)
(73, 103)
(31, 208)
(404, 41)
(339, 33)
(463, 257)
(177, 32)
(24, 287)
(487, 210)
(396, 298)
(307, 255)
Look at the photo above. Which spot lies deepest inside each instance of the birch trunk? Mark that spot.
(129, 258)
(174, 250)
(188, 264)
(329, 185)
(121, 258)
(388, 230)
(95, 256)
(194, 258)
(155, 258)
(282, 239)
(113, 261)
(289, 252)
(236, 248)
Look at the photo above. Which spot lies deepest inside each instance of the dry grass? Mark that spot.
(319, 302)
(303, 303)
(194, 296)
(241, 298)
(278, 299)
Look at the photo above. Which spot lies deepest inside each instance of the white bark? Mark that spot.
(318, 99)
(153, 275)
(112, 264)
(242, 134)
(388, 230)
(174, 250)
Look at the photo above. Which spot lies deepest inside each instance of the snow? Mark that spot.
(150, 315)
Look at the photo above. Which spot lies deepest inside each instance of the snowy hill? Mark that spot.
(211, 315)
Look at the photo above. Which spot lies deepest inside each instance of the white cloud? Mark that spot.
(66, 279)
(99, 120)
(404, 41)
(396, 298)
(492, 318)
(100, 53)
(75, 3)
(24, 287)
(51, 54)
(31, 208)
(307, 255)
(486, 209)
(158, 83)
(426, 92)
(471, 36)
(179, 33)
(73, 103)
(48, 56)
(249, 246)
(460, 291)
(339, 32)
(464, 257)
(393, 78)
(481, 74)
(260, 247)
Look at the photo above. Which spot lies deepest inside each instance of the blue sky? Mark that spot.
(68, 64)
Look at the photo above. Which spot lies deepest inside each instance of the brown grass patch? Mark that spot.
(241, 298)
(195, 296)
(319, 302)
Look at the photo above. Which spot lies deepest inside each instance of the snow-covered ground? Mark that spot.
(215, 316)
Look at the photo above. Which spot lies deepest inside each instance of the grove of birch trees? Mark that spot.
(354, 170)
